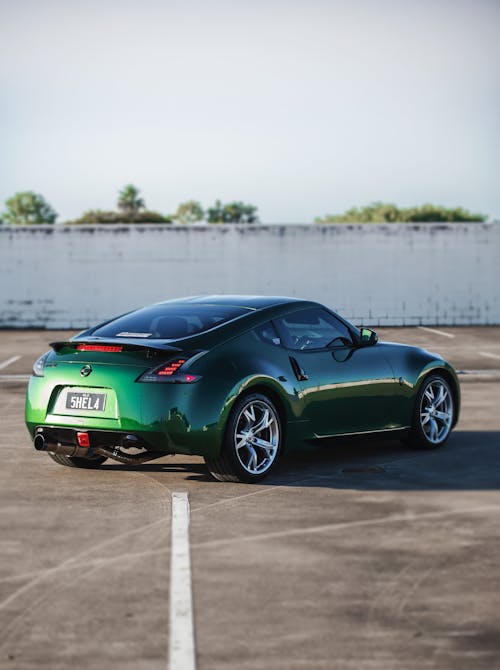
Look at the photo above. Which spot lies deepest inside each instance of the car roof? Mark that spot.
(249, 301)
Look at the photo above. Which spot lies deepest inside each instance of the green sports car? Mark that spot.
(234, 379)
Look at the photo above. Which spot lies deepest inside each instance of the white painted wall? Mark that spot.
(398, 274)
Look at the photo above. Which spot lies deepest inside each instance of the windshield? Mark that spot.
(169, 322)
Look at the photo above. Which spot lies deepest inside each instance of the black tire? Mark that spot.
(78, 461)
(229, 465)
(430, 431)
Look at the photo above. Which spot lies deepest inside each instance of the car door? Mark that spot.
(345, 388)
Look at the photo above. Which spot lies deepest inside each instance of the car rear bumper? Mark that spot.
(166, 418)
(109, 443)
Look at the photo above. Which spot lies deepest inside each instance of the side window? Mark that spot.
(267, 334)
(313, 329)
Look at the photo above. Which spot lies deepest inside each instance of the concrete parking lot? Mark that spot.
(362, 555)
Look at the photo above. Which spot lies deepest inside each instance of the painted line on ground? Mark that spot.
(14, 378)
(488, 355)
(181, 648)
(437, 332)
(9, 361)
(489, 372)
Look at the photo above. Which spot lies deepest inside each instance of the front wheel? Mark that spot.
(434, 413)
(252, 441)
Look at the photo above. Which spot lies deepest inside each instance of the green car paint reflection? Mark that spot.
(234, 379)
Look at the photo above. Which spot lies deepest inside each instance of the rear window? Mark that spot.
(169, 322)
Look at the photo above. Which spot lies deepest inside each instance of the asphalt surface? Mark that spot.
(362, 555)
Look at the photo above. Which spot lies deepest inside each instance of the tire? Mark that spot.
(434, 413)
(253, 419)
(78, 461)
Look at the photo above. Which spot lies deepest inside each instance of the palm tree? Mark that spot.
(129, 201)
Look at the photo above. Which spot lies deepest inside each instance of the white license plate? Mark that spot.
(96, 402)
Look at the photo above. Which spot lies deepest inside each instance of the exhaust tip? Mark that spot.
(39, 443)
(130, 441)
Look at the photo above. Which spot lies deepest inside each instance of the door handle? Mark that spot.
(299, 372)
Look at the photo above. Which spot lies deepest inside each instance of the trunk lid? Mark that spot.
(91, 381)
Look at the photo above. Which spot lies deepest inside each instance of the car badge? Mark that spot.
(86, 370)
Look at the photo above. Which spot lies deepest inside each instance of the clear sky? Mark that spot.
(301, 107)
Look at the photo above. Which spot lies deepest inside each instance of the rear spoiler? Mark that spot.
(125, 343)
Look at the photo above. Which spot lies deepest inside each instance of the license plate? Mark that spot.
(96, 402)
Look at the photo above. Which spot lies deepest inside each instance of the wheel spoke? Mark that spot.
(434, 430)
(424, 417)
(252, 462)
(265, 421)
(264, 444)
(441, 396)
(429, 394)
(249, 413)
(444, 416)
(241, 440)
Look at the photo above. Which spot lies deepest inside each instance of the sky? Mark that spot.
(301, 107)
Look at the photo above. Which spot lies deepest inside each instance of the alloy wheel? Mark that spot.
(436, 411)
(257, 436)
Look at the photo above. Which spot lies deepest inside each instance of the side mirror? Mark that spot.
(368, 337)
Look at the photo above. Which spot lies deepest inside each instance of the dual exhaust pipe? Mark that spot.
(41, 444)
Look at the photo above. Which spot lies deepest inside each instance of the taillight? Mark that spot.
(39, 365)
(170, 372)
(108, 348)
(170, 368)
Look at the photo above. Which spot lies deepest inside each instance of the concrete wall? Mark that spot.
(70, 277)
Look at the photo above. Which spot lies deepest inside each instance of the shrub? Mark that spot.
(379, 212)
(99, 216)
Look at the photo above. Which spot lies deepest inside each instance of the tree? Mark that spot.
(379, 212)
(28, 208)
(232, 212)
(189, 212)
(129, 201)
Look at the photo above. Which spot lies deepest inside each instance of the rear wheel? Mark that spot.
(252, 441)
(434, 413)
(78, 461)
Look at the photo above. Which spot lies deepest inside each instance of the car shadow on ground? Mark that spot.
(470, 460)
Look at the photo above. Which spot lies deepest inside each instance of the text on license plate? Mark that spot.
(92, 401)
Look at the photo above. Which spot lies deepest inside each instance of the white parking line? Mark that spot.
(437, 332)
(9, 361)
(181, 652)
(14, 378)
(488, 355)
